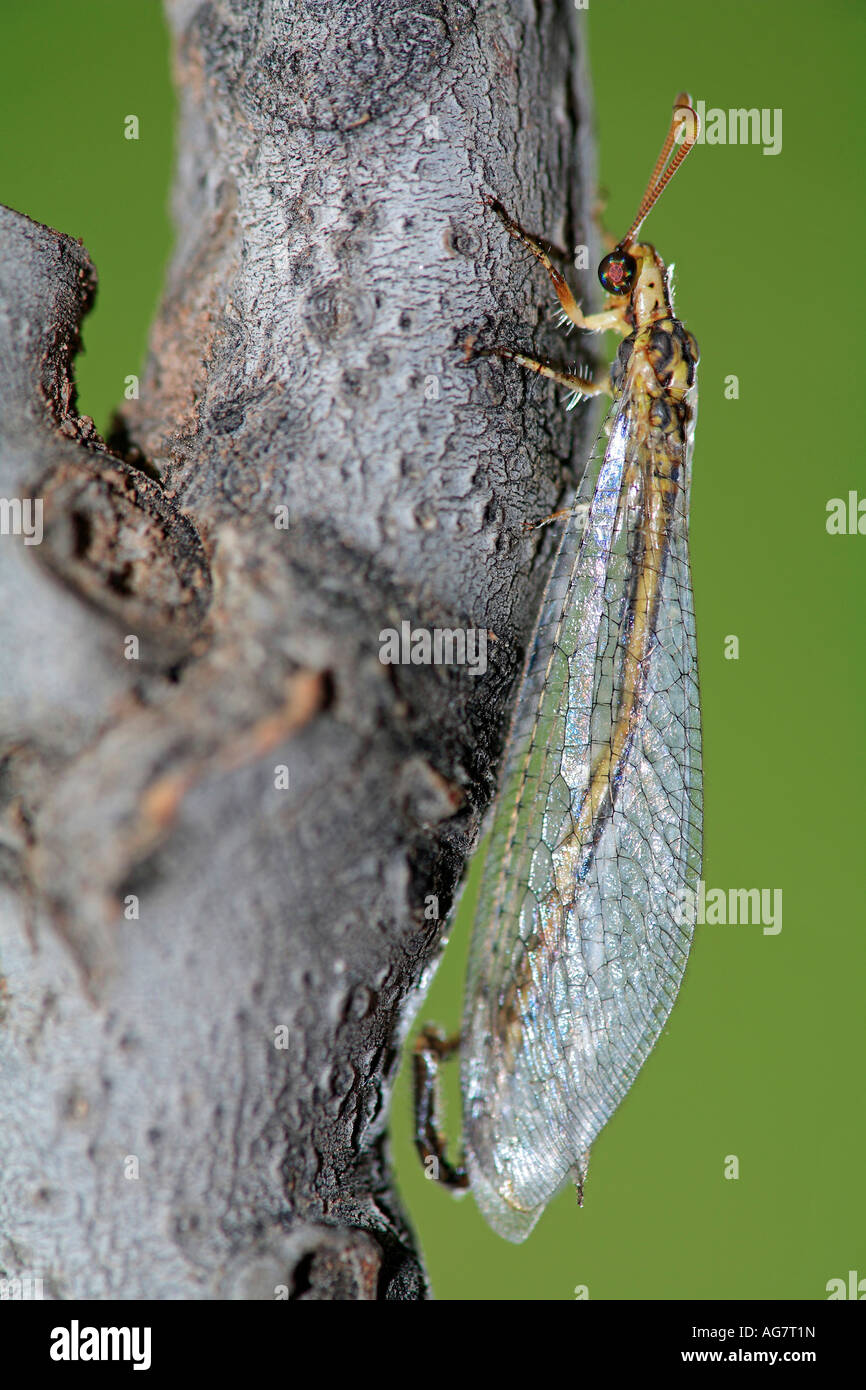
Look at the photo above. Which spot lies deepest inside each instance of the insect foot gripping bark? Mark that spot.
(581, 937)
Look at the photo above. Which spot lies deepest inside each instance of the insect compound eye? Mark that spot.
(617, 272)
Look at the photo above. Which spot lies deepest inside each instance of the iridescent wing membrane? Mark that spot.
(587, 902)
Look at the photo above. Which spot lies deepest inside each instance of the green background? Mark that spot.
(763, 1055)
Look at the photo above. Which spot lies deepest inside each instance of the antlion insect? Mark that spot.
(587, 903)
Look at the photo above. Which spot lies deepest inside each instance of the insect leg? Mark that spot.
(580, 511)
(613, 318)
(583, 386)
(431, 1048)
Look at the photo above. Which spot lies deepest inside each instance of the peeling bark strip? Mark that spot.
(220, 812)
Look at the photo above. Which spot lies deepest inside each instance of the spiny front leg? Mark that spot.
(612, 319)
(581, 386)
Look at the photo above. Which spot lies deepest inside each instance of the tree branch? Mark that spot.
(207, 974)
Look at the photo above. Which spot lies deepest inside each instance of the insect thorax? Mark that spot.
(669, 355)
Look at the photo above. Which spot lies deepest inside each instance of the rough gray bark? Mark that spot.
(333, 255)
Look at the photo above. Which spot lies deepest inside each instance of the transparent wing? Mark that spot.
(588, 896)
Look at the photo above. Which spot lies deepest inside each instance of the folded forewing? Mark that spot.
(587, 904)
